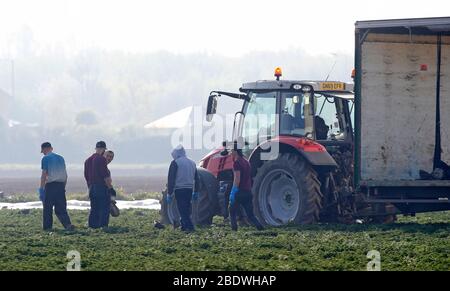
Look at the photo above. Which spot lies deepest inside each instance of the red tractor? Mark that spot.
(298, 137)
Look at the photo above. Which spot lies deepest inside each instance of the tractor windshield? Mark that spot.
(263, 119)
(260, 117)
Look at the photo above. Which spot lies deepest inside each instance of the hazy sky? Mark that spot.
(231, 27)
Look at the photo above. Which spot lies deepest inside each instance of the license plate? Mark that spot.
(332, 86)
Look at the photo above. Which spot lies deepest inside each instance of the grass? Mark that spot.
(132, 243)
(121, 195)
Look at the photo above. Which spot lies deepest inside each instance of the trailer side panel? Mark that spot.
(398, 104)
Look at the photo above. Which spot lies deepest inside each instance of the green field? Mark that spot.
(132, 243)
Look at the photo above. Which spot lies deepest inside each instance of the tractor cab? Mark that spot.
(298, 138)
(315, 110)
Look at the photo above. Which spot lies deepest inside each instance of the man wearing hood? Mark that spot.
(183, 182)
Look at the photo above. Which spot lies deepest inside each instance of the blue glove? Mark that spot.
(195, 196)
(169, 199)
(41, 193)
(233, 192)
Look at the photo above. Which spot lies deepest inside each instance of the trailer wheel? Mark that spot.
(287, 190)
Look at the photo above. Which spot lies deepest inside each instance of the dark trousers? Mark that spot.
(100, 206)
(184, 205)
(244, 199)
(55, 196)
(240, 213)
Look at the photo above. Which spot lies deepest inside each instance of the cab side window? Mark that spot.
(326, 122)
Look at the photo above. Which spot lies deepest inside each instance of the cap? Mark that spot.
(100, 145)
(46, 145)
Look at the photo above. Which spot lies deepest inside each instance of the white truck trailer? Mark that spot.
(402, 113)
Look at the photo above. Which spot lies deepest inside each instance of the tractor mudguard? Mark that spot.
(319, 159)
(314, 153)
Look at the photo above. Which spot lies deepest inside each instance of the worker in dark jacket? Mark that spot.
(98, 179)
(183, 182)
(241, 193)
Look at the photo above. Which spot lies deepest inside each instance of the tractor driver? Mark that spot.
(321, 128)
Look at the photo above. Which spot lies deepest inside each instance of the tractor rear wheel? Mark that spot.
(287, 189)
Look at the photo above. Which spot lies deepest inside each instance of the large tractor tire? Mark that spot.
(200, 213)
(203, 209)
(169, 211)
(286, 190)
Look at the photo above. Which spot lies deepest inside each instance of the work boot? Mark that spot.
(70, 227)
(158, 224)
